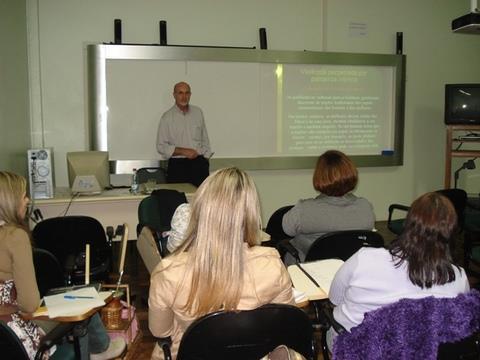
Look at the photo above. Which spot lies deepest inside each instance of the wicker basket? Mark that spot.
(112, 314)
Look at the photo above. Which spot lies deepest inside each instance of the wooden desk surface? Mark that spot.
(64, 195)
(42, 313)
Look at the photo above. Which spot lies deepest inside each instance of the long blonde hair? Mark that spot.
(225, 215)
(12, 190)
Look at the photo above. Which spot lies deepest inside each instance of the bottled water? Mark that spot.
(134, 187)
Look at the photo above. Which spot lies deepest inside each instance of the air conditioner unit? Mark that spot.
(469, 23)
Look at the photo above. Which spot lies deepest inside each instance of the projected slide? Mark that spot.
(349, 108)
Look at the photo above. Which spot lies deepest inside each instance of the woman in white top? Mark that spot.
(417, 264)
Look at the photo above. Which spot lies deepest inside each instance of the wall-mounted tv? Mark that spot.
(462, 104)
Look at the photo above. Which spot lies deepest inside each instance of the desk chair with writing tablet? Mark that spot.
(274, 227)
(155, 213)
(48, 271)
(338, 245)
(248, 334)
(66, 237)
(335, 245)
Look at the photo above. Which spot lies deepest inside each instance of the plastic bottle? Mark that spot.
(134, 187)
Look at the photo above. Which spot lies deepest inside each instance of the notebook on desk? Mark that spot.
(314, 278)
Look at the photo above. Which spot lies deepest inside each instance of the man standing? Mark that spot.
(182, 139)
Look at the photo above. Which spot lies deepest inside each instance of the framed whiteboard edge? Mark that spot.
(98, 54)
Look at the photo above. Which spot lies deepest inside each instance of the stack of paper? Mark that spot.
(73, 303)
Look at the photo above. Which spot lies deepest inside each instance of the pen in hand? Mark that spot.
(71, 297)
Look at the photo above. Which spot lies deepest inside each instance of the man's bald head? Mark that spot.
(181, 93)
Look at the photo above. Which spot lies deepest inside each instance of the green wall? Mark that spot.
(14, 118)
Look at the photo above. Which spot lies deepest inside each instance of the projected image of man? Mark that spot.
(182, 138)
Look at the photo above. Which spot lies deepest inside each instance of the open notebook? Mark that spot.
(314, 278)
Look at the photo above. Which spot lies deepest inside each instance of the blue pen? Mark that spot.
(71, 297)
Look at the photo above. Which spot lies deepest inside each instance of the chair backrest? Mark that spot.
(65, 237)
(274, 226)
(458, 197)
(464, 349)
(156, 210)
(10, 344)
(343, 244)
(251, 334)
(148, 249)
(151, 174)
(48, 271)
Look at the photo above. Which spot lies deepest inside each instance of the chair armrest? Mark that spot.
(327, 311)
(284, 246)
(55, 336)
(394, 207)
(165, 344)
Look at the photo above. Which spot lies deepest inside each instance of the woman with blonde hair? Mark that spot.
(219, 266)
(18, 285)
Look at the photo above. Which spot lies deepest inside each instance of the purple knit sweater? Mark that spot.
(410, 328)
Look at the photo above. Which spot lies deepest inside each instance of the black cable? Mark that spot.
(74, 195)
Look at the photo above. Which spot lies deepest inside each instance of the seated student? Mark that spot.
(178, 227)
(335, 209)
(18, 286)
(219, 266)
(417, 264)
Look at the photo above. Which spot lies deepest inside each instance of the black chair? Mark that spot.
(12, 348)
(66, 237)
(471, 256)
(274, 227)
(157, 175)
(156, 211)
(48, 271)
(338, 245)
(245, 335)
(458, 197)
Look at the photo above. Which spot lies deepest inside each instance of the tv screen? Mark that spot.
(462, 104)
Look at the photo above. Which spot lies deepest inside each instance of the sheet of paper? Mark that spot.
(303, 284)
(323, 271)
(58, 305)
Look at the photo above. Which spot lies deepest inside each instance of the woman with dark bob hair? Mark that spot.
(417, 264)
(335, 209)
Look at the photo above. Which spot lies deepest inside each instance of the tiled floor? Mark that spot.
(138, 278)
